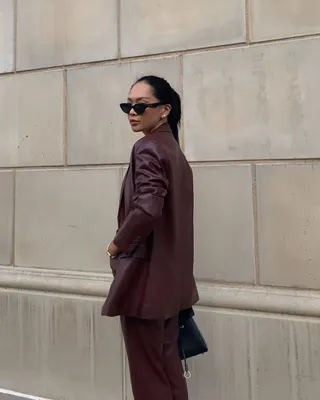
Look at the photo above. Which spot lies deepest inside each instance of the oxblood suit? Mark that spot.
(153, 273)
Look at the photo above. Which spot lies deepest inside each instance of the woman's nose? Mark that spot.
(132, 112)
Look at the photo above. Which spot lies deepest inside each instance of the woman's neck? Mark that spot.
(154, 128)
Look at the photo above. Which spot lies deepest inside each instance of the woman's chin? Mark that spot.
(136, 128)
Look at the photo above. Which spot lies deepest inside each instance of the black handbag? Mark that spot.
(191, 342)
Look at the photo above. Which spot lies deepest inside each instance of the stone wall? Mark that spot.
(248, 74)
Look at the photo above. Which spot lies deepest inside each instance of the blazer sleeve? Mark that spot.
(151, 187)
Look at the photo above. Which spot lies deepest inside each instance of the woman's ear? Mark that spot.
(167, 109)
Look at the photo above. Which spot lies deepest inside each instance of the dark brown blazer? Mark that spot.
(153, 273)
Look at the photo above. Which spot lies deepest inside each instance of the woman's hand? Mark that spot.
(112, 250)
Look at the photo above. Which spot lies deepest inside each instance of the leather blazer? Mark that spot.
(153, 273)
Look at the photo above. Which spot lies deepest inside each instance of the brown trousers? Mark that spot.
(155, 367)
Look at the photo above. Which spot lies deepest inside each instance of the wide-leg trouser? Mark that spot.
(155, 367)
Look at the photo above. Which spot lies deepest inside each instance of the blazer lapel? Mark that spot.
(121, 200)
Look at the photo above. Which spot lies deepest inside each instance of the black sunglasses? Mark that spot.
(139, 108)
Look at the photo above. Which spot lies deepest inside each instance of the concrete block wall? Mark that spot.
(248, 74)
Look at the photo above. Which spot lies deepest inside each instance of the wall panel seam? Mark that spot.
(247, 20)
(173, 54)
(255, 225)
(13, 247)
(15, 37)
(181, 132)
(218, 163)
(119, 28)
(65, 118)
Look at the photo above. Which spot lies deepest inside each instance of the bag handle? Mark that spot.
(187, 373)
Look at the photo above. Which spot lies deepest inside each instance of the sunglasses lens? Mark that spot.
(140, 108)
(126, 107)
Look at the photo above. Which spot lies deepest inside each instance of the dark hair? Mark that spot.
(167, 95)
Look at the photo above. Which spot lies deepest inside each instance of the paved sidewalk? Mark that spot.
(10, 397)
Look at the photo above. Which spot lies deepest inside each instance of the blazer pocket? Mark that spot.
(141, 251)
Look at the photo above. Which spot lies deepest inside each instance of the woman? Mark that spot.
(152, 251)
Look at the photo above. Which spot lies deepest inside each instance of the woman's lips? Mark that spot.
(133, 122)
